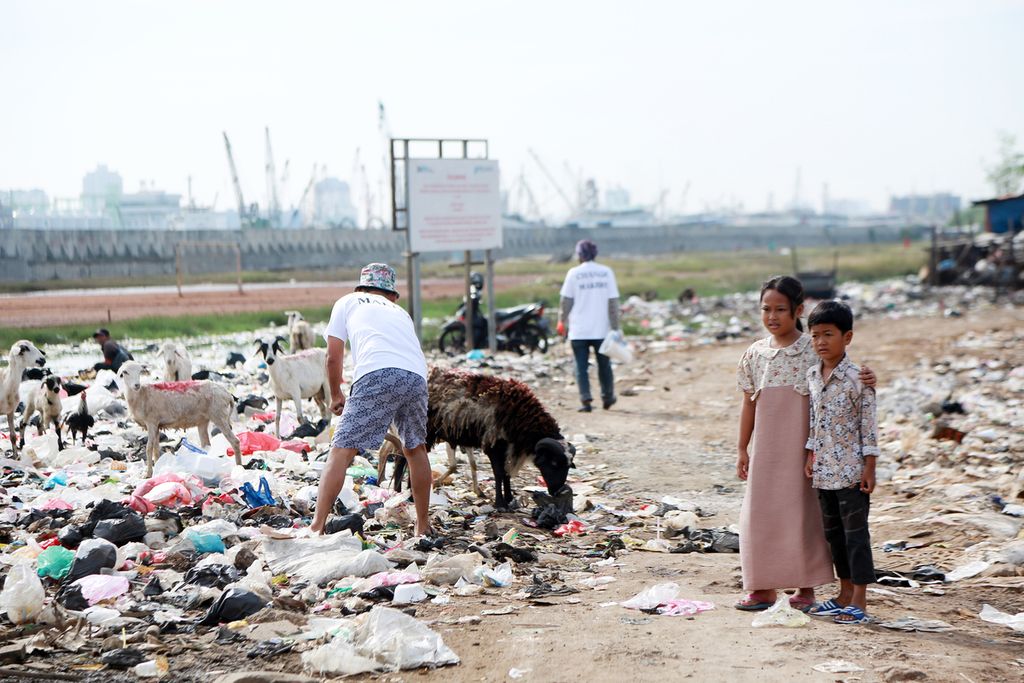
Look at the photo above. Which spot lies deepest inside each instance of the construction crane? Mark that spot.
(554, 183)
(243, 213)
(273, 206)
(305, 193)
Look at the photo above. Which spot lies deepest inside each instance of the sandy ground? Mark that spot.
(94, 307)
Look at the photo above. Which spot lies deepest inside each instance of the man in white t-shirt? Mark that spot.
(590, 309)
(389, 384)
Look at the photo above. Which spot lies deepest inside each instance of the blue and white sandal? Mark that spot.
(829, 608)
(852, 615)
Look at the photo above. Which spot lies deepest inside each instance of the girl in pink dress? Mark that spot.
(782, 542)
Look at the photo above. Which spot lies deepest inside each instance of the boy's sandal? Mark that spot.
(829, 608)
(752, 604)
(800, 603)
(852, 615)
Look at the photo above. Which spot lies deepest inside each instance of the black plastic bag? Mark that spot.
(552, 511)
(92, 556)
(128, 529)
(212, 575)
(234, 604)
(122, 658)
(352, 522)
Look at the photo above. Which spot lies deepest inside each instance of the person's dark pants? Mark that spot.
(581, 351)
(845, 516)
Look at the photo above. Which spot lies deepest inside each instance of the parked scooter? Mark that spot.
(522, 329)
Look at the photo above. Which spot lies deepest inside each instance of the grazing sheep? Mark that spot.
(80, 421)
(502, 417)
(45, 400)
(297, 376)
(300, 334)
(23, 355)
(178, 405)
(177, 363)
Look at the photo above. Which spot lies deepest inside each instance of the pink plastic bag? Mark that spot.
(100, 587)
(143, 500)
(57, 504)
(169, 493)
(255, 441)
(684, 608)
(295, 445)
(573, 527)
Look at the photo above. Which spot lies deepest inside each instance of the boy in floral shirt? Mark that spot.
(842, 448)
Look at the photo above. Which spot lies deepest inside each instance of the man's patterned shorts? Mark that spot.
(377, 399)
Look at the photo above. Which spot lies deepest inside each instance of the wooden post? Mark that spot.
(470, 309)
(492, 311)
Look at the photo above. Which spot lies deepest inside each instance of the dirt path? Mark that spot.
(41, 309)
(678, 440)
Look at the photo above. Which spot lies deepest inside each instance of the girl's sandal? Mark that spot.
(802, 604)
(752, 604)
(852, 615)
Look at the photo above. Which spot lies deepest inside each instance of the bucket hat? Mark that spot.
(378, 276)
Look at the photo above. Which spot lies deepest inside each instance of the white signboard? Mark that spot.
(454, 205)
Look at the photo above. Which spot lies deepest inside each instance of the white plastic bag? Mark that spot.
(23, 594)
(994, 616)
(650, 598)
(780, 614)
(616, 347)
(399, 641)
(321, 559)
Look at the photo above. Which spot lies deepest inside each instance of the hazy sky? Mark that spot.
(731, 97)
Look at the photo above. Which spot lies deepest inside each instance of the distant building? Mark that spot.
(846, 207)
(101, 189)
(936, 207)
(332, 201)
(148, 209)
(25, 201)
(1003, 214)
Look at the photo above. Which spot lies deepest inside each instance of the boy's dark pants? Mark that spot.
(845, 516)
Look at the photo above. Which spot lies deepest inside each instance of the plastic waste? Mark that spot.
(348, 497)
(154, 668)
(780, 614)
(649, 598)
(994, 616)
(233, 604)
(967, 571)
(339, 656)
(258, 498)
(447, 571)
(252, 442)
(499, 577)
(323, 558)
(571, 528)
(23, 594)
(837, 666)
(191, 459)
(205, 543)
(99, 587)
(684, 608)
(408, 593)
(351, 522)
(211, 575)
(92, 555)
(55, 562)
(129, 529)
(616, 347)
(122, 658)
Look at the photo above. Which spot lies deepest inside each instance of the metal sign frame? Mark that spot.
(434, 148)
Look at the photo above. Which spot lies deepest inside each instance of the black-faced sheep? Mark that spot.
(44, 400)
(298, 376)
(504, 419)
(23, 355)
(177, 405)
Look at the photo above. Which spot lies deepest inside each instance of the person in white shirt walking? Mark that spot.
(589, 310)
(389, 384)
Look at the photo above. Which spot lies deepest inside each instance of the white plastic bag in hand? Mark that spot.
(616, 347)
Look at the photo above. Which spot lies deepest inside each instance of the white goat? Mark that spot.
(300, 334)
(23, 354)
(177, 363)
(178, 405)
(45, 400)
(297, 376)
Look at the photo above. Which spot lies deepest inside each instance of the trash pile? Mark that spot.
(107, 569)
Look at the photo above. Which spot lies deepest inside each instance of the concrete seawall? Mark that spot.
(37, 255)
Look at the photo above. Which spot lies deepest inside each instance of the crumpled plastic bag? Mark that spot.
(23, 594)
(323, 558)
(383, 639)
(684, 608)
(92, 555)
(994, 616)
(446, 571)
(649, 598)
(251, 442)
(780, 614)
(99, 587)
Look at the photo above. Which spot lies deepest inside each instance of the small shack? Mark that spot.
(1003, 214)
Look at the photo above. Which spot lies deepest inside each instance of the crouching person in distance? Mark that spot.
(389, 384)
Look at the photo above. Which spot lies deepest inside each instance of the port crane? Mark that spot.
(273, 205)
(554, 183)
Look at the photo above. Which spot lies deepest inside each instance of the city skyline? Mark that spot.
(734, 102)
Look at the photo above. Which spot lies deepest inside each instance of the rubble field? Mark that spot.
(203, 572)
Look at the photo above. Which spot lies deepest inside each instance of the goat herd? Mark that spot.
(469, 410)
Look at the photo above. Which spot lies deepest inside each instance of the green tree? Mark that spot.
(1007, 174)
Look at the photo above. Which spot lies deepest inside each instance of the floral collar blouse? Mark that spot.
(764, 366)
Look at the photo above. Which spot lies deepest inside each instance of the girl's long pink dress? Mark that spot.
(782, 542)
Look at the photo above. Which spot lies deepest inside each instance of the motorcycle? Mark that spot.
(521, 329)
